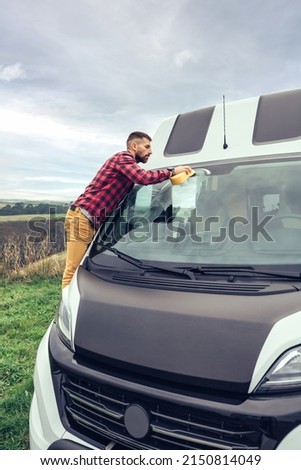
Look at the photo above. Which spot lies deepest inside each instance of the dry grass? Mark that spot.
(23, 258)
(51, 266)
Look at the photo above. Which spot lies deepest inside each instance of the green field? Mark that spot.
(26, 308)
(25, 217)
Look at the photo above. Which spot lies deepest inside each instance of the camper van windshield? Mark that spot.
(249, 215)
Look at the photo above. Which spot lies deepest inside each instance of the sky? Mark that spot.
(77, 76)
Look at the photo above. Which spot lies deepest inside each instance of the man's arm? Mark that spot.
(138, 175)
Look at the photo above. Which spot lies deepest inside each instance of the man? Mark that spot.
(103, 194)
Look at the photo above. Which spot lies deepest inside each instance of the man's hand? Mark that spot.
(181, 169)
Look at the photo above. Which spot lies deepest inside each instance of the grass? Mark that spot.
(27, 307)
(22, 217)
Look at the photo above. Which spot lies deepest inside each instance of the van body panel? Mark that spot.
(238, 118)
(172, 332)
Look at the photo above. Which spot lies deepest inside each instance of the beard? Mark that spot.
(141, 158)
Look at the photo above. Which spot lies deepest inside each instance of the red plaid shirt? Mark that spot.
(112, 182)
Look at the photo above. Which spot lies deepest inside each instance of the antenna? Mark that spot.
(224, 119)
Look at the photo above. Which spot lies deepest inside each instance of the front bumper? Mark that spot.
(271, 422)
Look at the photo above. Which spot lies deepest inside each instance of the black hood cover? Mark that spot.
(203, 339)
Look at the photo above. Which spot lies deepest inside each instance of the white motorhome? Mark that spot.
(182, 326)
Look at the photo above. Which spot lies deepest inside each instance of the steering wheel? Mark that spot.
(288, 216)
(279, 218)
(276, 222)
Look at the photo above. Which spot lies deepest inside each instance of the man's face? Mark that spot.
(142, 149)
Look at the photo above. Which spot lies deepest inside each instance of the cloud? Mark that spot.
(55, 179)
(183, 57)
(9, 73)
(77, 77)
(48, 128)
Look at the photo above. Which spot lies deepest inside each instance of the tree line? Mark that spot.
(20, 208)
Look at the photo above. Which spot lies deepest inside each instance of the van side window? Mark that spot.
(189, 132)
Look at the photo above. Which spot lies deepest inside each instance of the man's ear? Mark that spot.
(133, 145)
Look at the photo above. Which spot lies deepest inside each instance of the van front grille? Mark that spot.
(97, 411)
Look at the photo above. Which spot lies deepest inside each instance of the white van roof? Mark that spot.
(264, 125)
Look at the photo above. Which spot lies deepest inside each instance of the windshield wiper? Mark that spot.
(192, 270)
(237, 270)
(148, 267)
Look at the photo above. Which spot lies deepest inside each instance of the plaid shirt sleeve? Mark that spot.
(129, 168)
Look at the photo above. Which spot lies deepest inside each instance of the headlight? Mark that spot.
(284, 375)
(63, 321)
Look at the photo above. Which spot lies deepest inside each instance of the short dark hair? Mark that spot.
(137, 135)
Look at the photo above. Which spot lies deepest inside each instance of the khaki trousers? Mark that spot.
(79, 234)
